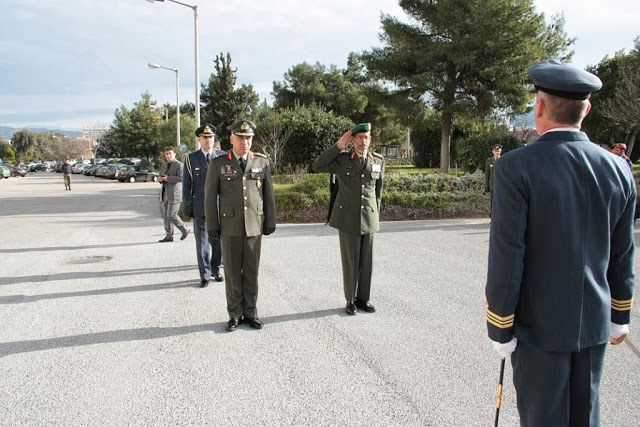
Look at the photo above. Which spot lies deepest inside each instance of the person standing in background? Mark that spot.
(496, 150)
(66, 171)
(171, 195)
(208, 252)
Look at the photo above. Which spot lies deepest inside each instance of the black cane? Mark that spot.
(499, 399)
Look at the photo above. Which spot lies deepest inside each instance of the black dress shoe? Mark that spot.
(232, 324)
(166, 239)
(365, 306)
(184, 235)
(204, 283)
(217, 277)
(351, 309)
(254, 322)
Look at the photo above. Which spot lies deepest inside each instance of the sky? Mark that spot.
(69, 64)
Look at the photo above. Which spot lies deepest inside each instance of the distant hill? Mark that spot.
(7, 132)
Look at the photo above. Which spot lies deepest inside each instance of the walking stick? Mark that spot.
(499, 399)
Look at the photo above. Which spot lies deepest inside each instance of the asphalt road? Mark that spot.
(102, 325)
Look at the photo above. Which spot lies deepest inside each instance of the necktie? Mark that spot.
(208, 157)
(242, 163)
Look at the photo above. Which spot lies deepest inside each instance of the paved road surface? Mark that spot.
(102, 325)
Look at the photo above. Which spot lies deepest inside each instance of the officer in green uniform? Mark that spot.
(356, 210)
(242, 181)
(496, 150)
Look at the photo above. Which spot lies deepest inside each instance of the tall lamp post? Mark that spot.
(151, 65)
(197, 55)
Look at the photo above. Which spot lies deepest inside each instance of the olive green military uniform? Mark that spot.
(355, 214)
(247, 206)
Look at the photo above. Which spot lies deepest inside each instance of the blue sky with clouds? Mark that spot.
(71, 63)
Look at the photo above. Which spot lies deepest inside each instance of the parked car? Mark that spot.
(136, 173)
(20, 170)
(102, 171)
(91, 170)
(6, 172)
(113, 171)
(78, 168)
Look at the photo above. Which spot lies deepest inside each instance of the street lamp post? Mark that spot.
(151, 65)
(197, 56)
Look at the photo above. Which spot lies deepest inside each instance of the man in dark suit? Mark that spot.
(496, 150)
(171, 180)
(208, 250)
(241, 180)
(560, 277)
(356, 211)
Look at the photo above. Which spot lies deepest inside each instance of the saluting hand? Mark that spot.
(344, 140)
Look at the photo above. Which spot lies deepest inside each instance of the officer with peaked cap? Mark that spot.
(560, 278)
(496, 150)
(241, 181)
(356, 211)
(208, 252)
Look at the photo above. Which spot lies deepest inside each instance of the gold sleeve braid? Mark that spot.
(621, 305)
(501, 322)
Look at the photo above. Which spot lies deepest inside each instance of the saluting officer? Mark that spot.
(356, 210)
(560, 278)
(242, 181)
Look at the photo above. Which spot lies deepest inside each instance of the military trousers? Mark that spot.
(241, 256)
(208, 252)
(356, 251)
(558, 388)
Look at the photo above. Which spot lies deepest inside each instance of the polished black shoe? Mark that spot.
(184, 235)
(232, 325)
(254, 322)
(204, 283)
(166, 239)
(351, 309)
(217, 277)
(365, 306)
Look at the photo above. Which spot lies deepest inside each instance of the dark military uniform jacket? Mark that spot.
(247, 202)
(194, 176)
(561, 247)
(357, 206)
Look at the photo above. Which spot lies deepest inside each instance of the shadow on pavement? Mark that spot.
(89, 275)
(21, 299)
(126, 335)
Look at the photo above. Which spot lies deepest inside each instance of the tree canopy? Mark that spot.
(615, 112)
(223, 103)
(465, 56)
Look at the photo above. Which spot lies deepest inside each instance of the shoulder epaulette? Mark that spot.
(378, 155)
(260, 155)
(224, 153)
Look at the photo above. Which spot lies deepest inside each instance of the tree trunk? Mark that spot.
(445, 140)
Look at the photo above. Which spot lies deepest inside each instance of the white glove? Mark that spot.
(505, 349)
(618, 333)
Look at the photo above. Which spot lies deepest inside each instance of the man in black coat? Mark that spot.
(560, 277)
(208, 252)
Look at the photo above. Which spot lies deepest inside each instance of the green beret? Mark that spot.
(242, 128)
(362, 127)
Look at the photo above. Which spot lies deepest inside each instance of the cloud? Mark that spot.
(66, 62)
